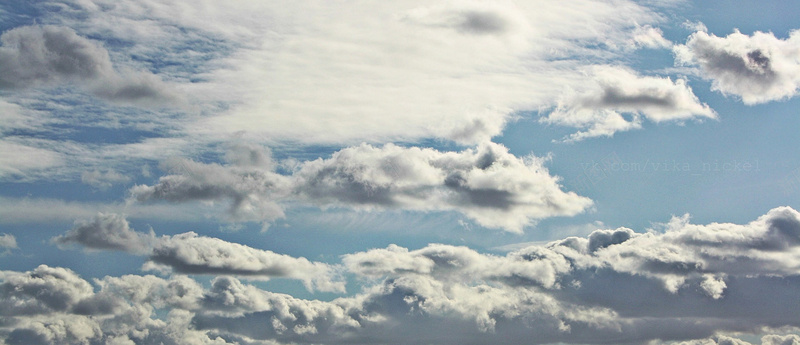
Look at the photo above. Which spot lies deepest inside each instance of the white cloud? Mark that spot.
(18, 160)
(600, 107)
(189, 253)
(409, 70)
(251, 190)
(650, 37)
(689, 283)
(694, 26)
(487, 184)
(758, 68)
(769, 339)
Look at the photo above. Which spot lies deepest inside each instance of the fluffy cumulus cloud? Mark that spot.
(685, 283)
(618, 99)
(40, 55)
(487, 184)
(189, 253)
(758, 68)
(249, 183)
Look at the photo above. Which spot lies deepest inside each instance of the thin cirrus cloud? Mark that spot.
(685, 282)
(414, 70)
(189, 253)
(758, 68)
(486, 184)
(617, 99)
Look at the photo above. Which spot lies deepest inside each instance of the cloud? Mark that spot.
(600, 108)
(189, 253)
(649, 37)
(407, 71)
(758, 68)
(8, 241)
(51, 305)
(251, 190)
(487, 184)
(44, 55)
(107, 232)
(43, 290)
(18, 160)
(770, 339)
(679, 282)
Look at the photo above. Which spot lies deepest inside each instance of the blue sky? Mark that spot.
(300, 172)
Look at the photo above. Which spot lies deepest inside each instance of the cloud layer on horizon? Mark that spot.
(686, 282)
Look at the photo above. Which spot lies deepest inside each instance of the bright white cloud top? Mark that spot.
(301, 172)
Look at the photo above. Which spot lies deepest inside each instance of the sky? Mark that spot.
(404, 172)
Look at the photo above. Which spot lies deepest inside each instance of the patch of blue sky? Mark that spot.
(733, 169)
(17, 13)
(721, 17)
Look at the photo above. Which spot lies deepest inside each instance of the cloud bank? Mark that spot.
(486, 184)
(189, 253)
(684, 282)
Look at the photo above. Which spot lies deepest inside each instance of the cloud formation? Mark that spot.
(758, 68)
(33, 56)
(618, 99)
(681, 283)
(107, 232)
(486, 183)
(252, 190)
(188, 253)
(407, 70)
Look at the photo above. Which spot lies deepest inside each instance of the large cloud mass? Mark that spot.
(487, 184)
(686, 282)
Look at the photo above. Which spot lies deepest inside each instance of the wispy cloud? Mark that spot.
(618, 99)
